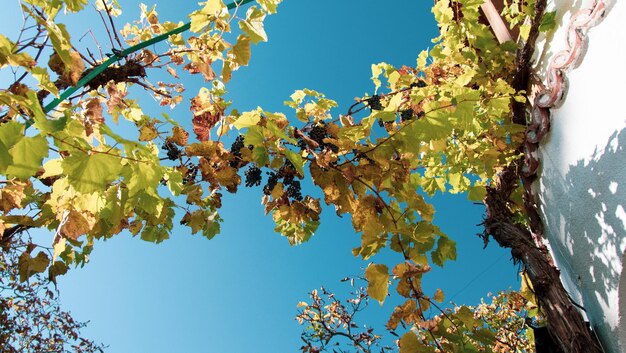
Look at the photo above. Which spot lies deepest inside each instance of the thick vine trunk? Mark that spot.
(565, 324)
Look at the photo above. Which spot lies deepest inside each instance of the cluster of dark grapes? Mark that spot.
(407, 114)
(237, 145)
(253, 176)
(173, 152)
(286, 173)
(418, 84)
(271, 183)
(294, 190)
(374, 102)
(235, 149)
(318, 133)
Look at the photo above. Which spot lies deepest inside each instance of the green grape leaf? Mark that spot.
(201, 18)
(75, 5)
(143, 178)
(466, 316)
(476, 193)
(296, 159)
(60, 41)
(486, 336)
(154, 234)
(378, 282)
(423, 233)
(269, 5)
(439, 296)
(27, 155)
(254, 136)
(174, 180)
(8, 55)
(446, 250)
(89, 173)
(253, 25)
(548, 22)
(240, 53)
(260, 156)
(41, 75)
(41, 121)
(247, 119)
(207, 221)
(11, 132)
(377, 70)
(5, 158)
(409, 343)
(278, 132)
(421, 59)
(29, 266)
(59, 268)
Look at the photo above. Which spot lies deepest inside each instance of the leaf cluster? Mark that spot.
(98, 165)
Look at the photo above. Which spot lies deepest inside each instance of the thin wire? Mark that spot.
(477, 277)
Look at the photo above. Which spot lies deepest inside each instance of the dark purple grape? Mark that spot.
(253, 176)
(173, 153)
(236, 147)
(271, 183)
(294, 190)
(374, 103)
(318, 134)
(418, 84)
(406, 114)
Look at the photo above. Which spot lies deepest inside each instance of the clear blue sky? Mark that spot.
(238, 292)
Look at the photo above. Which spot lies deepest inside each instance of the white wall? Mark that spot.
(582, 185)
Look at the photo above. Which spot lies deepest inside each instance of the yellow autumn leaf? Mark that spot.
(378, 281)
(409, 343)
(439, 296)
(247, 119)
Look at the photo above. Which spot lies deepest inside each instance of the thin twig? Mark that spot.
(117, 38)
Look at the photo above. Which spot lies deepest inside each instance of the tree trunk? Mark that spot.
(565, 324)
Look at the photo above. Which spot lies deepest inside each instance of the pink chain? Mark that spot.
(554, 91)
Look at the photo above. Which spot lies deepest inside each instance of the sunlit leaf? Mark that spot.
(29, 266)
(377, 281)
(253, 25)
(27, 155)
(89, 173)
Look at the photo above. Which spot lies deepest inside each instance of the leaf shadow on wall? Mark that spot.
(585, 213)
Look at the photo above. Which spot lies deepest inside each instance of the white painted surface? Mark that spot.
(582, 186)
